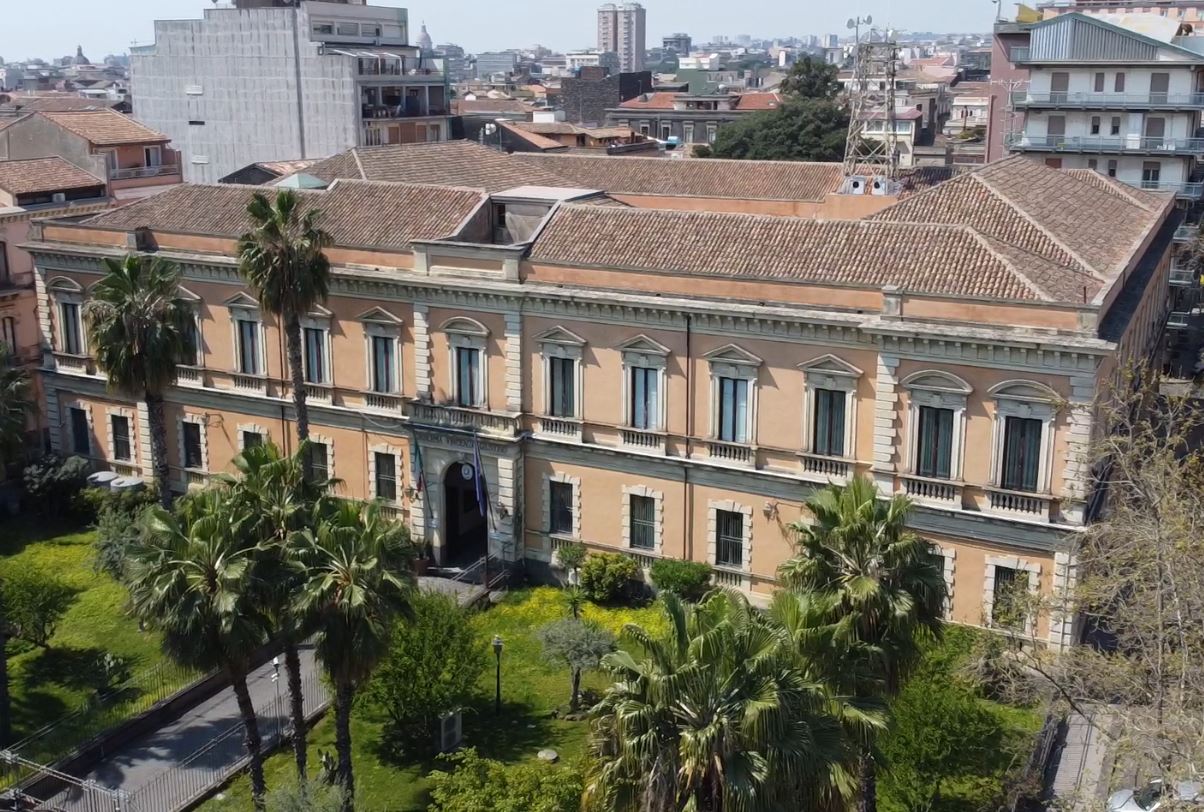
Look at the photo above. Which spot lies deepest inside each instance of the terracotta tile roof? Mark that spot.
(710, 177)
(282, 168)
(44, 175)
(659, 100)
(935, 259)
(356, 213)
(1071, 221)
(1146, 199)
(757, 101)
(450, 163)
(536, 140)
(33, 104)
(105, 127)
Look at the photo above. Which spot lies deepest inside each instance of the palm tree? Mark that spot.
(358, 584)
(140, 328)
(282, 259)
(195, 581)
(278, 500)
(715, 715)
(882, 591)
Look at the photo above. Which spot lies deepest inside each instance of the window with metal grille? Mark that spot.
(560, 508)
(829, 422)
(119, 425)
(643, 522)
(317, 462)
(729, 547)
(934, 445)
(193, 458)
(386, 477)
(1008, 609)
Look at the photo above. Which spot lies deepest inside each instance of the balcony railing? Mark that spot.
(725, 576)
(643, 439)
(737, 453)
(1186, 233)
(835, 468)
(1019, 55)
(1181, 275)
(377, 112)
(1105, 143)
(78, 364)
(319, 392)
(1191, 190)
(190, 376)
(645, 558)
(1178, 320)
(369, 67)
(382, 401)
(941, 491)
(462, 417)
(125, 469)
(250, 383)
(563, 427)
(144, 172)
(1030, 505)
(1106, 101)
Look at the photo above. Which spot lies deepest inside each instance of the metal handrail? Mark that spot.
(1107, 100)
(1104, 143)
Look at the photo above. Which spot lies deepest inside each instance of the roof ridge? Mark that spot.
(1121, 189)
(1035, 224)
(355, 153)
(1040, 292)
(406, 183)
(702, 161)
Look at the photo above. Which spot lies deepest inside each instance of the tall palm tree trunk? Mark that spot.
(342, 741)
(6, 714)
(292, 665)
(297, 370)
(251, 738)
(158, 437)
(575, 699)
(867, 797)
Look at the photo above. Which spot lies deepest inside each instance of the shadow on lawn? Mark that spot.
(71, 667)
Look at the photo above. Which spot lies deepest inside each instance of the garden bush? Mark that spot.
(607, 577)
(571, 556)
(434, 663)
(689, 580)
(475, 783)
(34, 602)
(92, 502)
(52, 482)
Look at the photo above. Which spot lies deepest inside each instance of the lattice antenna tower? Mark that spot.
(872, 97)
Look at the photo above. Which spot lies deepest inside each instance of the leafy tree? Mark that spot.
(800, 129)
(811, 78)
(16, 404)
(689, 580)
(358, 584)
(34, 603)
(52, 482)
(578, 645)
(116, 532)
(194, 579)
(606, 576)
(718, 714)
(432, 667)
(282, 258)
(306, 796)
(571, 556)
(879, 587)
(476, 784)
(141, 328)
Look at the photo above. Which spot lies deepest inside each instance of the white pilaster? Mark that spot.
(514, 362)
(422, 352)
(886, 398)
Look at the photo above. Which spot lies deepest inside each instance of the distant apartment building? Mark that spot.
(690, 118)
(455, 62)
(500, 63)
(1185, 11)
(677, 43)
(259, 82)
(1104, 97)
(574, 61)
(621, 30)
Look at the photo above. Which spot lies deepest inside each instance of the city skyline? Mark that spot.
(489, 27)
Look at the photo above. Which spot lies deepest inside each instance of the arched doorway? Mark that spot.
(465, 530)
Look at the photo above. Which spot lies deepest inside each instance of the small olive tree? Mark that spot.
(578, 645)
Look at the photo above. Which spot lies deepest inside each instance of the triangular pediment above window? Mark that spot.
(188, 295)
(242, 300)
(644, 345)
(937, 381)
(731, 354)
(319, 312)
(560, 335)
(830, 365)
(378, 315)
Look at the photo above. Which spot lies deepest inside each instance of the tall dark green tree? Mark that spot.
(880, 588)
(801, 129)
(283, 259)
(811, 78)
(16, 405)
(139, 328)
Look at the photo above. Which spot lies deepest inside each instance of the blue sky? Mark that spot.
(49, 28)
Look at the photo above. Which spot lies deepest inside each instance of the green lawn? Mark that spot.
(47, 683)
(531, 690)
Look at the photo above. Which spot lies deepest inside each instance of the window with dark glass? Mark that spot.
(643, 522)
(317, 462)
(251, 439)
(829, 422)
(1021, 453)
(81, 433)
(316, 370)
(468, 370)
(3, 261)
(72, 338)
(386, 477)
(560, 508)
(644, 408)
(729, 548)
(934, 443)
(191, 354)
(733, 410)
(248, 346)
(8, 333)
(193, 458)
(1008, 609)
(384, 364)
(119, 426)
(562, 387)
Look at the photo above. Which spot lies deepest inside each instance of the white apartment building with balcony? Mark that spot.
(1101, 96)
(266, 80)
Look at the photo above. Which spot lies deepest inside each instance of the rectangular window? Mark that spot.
(666, 131)
(316, 368)
(3, 261)
(191, 356)
(1114, 128)
(1008, 610)
(1095, 125)
(119, 426)
(828, 436)
(688, 133)
(251, 439)
(192, 445)
(729, 548)
(1151, 174)
(468, 370)
(1119, 85)
(1021, 453)
(386, 477)
(1093, 164)
(73, 343)
(81, 434)
(934, 443)
(8, 333)
(645, 409)
(384, 364)
(1112, 168)
(1099, 82)
(317, 462)
(561, 386)
(560, 508)
(348, 29)
(643, 522)
(248, 346)
(152, 156)
(712, 131)
(733, 410)
(323, 28)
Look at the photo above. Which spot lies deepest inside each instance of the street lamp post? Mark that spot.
(497, 652)
(279, 710)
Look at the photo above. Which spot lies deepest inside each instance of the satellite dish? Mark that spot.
(869, 20)
(851, 24)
